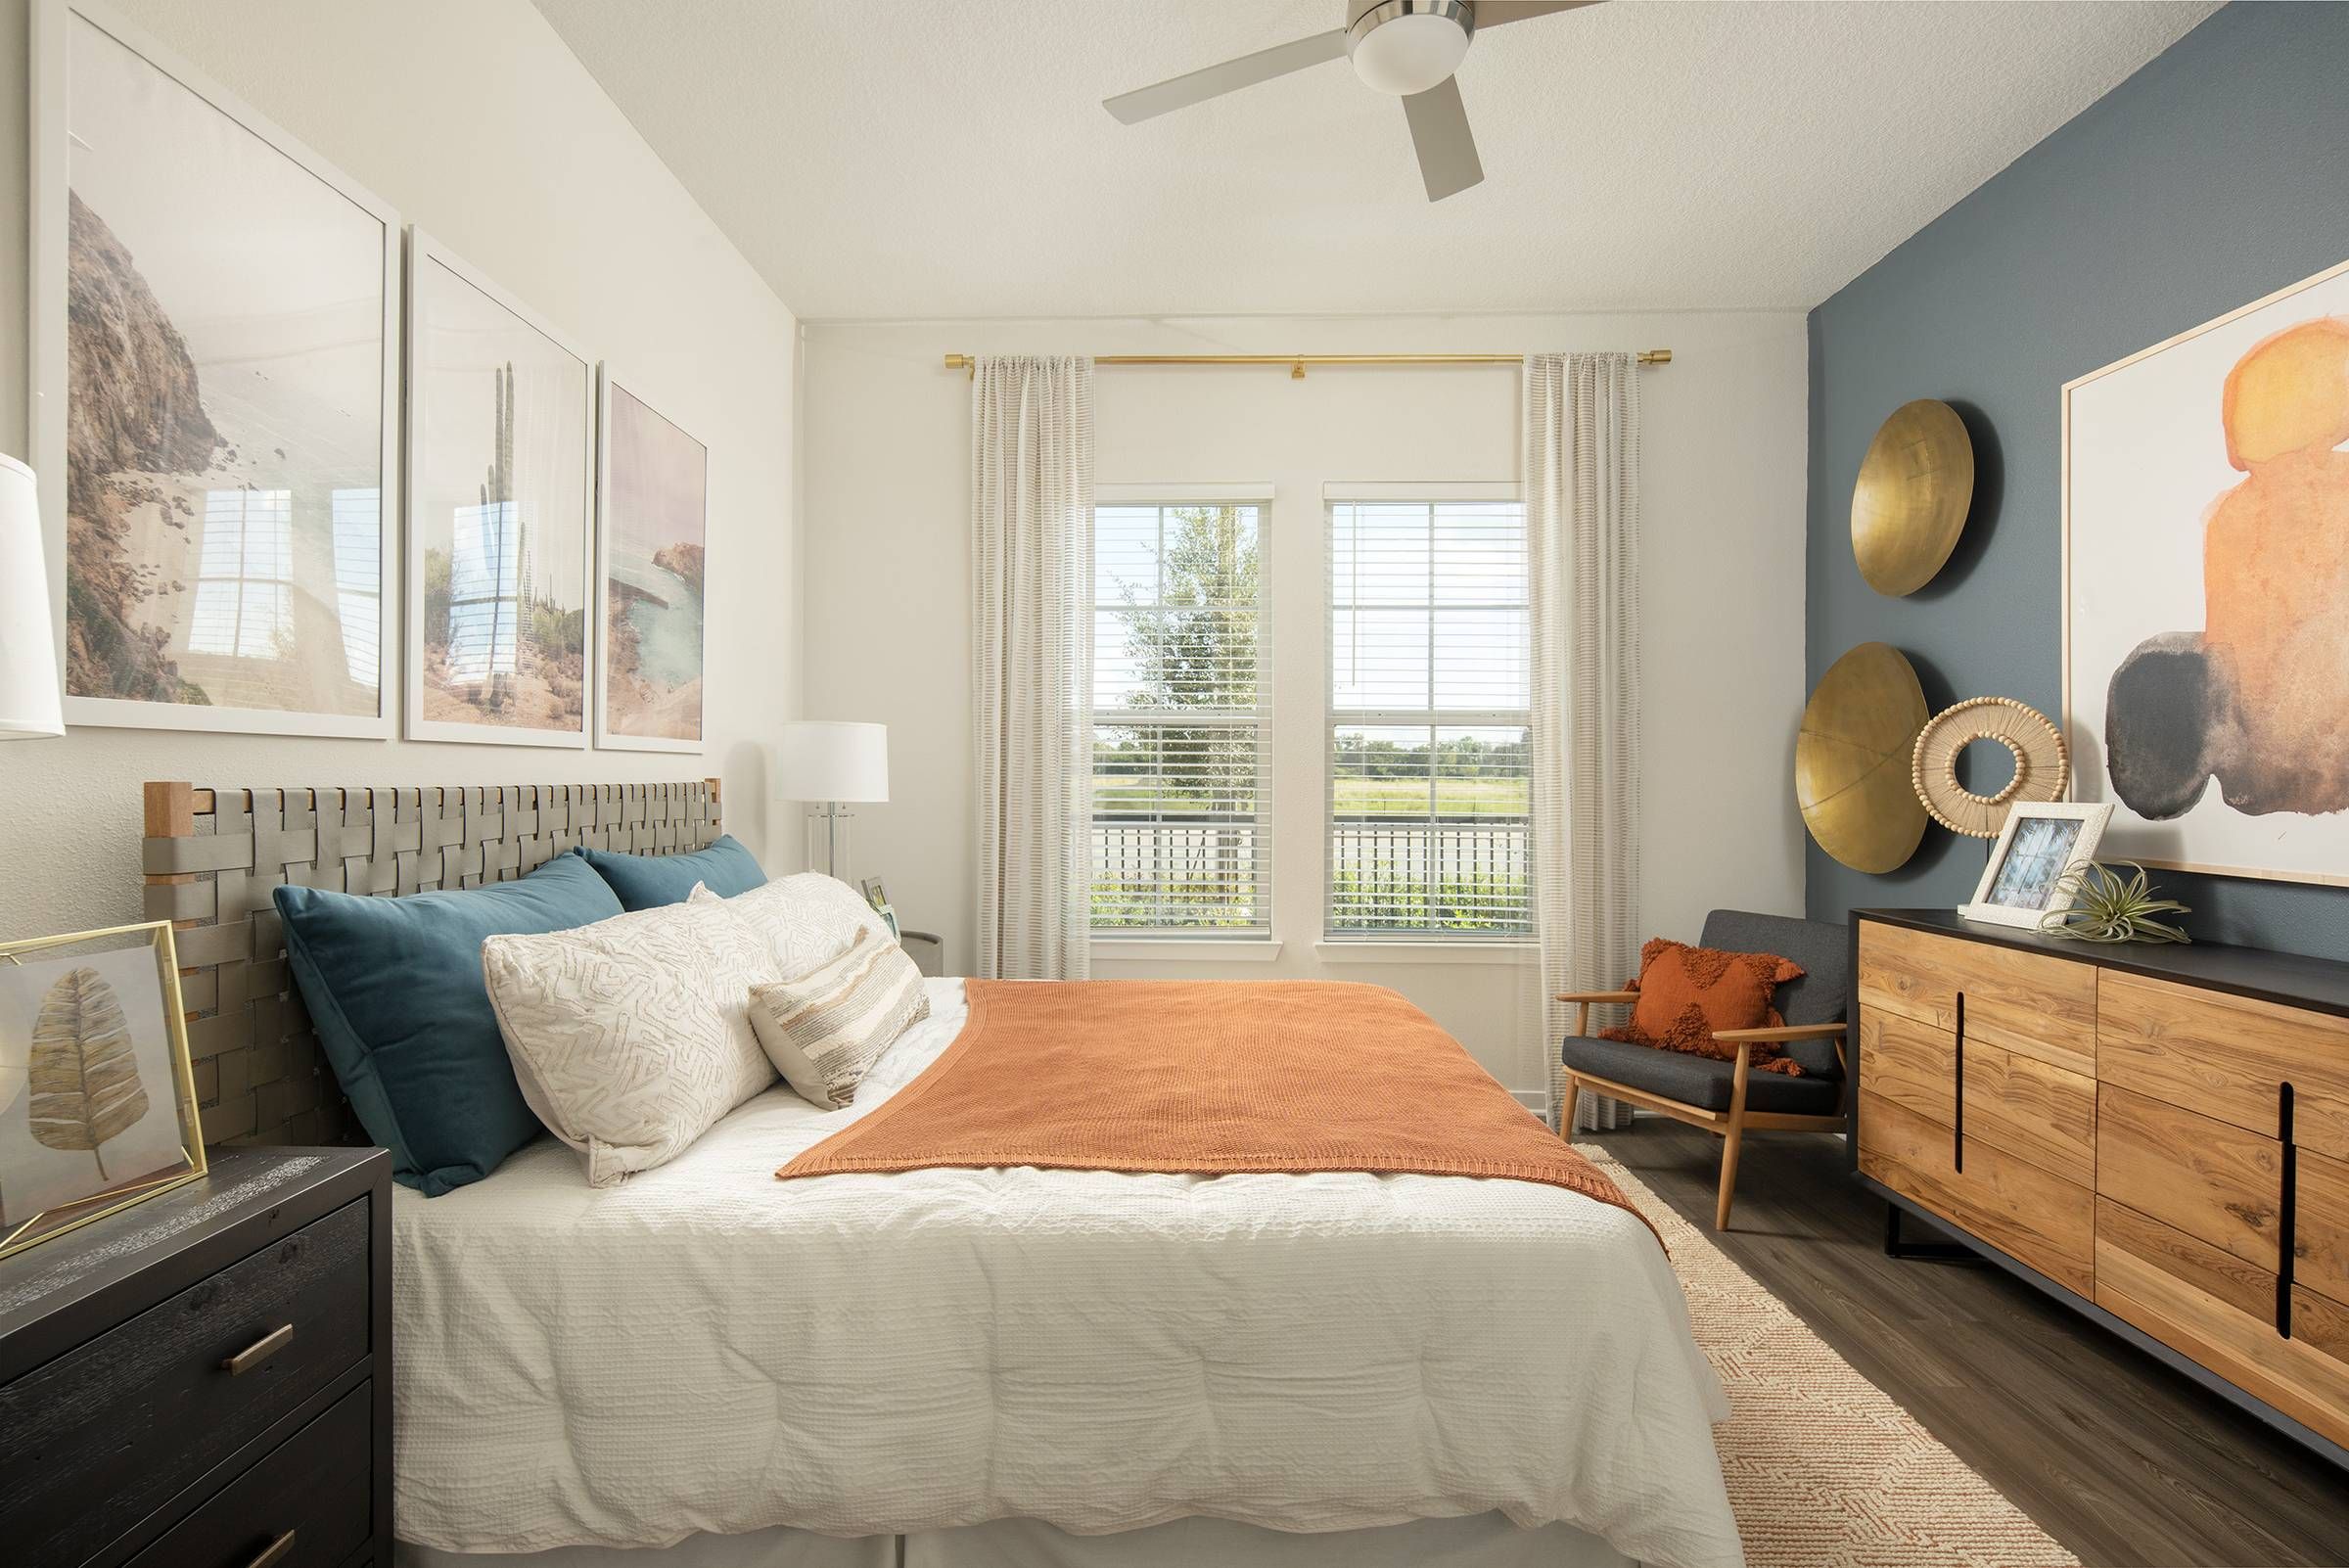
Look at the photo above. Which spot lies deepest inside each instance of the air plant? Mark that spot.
(2103, 905)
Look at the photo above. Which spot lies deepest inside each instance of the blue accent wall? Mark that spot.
(2217, 174)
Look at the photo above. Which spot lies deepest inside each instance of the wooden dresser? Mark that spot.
(2157, 1135)
(205, 1380)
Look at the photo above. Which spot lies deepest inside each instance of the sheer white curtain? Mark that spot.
(1032, 661)
(1581, 464)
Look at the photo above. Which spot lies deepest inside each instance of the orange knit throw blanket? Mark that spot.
(1205, 1077)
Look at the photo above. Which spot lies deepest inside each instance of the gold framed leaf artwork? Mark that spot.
(97, 1091)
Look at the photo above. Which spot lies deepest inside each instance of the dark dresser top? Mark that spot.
(2290, 978)
(57, 1294)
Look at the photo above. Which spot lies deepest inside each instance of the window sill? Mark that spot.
(1426, 952)
(1178, 949)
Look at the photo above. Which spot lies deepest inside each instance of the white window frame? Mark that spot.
(1423, 943)
(1222, 942)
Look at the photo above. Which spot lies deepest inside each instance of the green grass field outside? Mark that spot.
(1356, 796)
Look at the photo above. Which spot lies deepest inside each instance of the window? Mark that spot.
(245, 576)
(1429, 798)
(1183, 798)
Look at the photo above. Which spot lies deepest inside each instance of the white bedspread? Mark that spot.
(704, 1348)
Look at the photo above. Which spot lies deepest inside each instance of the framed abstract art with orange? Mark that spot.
(2206, 591)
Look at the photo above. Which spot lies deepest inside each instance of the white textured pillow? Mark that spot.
(629, 1036)
(827, 1027)
(806, 918)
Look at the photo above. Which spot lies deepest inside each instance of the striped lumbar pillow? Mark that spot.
(824, 1029)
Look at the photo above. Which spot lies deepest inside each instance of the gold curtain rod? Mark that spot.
(1298, 363)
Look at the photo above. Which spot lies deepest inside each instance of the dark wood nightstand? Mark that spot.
(205, 1380)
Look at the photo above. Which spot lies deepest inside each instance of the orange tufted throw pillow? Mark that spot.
(1687, 992)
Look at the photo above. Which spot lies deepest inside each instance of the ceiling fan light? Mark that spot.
(1406, 47)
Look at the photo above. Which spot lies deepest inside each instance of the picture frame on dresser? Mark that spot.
(94, 1050)
(231, 561)
(500, 483)
(2037, 850)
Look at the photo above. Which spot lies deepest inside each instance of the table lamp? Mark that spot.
(29, 703)
(829, 763)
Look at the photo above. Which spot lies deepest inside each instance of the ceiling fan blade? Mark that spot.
(1493, 13)
(1180, 92)
(1440, 134)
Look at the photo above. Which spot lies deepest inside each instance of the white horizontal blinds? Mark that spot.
(1183, 782)
(1429, 804)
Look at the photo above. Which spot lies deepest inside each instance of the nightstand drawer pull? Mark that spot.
(245, 1361)
(273, 1553)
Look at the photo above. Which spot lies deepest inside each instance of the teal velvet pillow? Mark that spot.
(649, 881)
(396, 989)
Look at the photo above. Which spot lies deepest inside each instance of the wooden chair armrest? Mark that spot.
(1780, 1031)
(1598, 996)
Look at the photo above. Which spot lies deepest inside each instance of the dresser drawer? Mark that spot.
(1912, 1154)
(2041, 1007)
(2320, 1226)
(1913, 1065)
(2040, 1114)
(96, 1439)
(2216, 1310)
(2210, 1179)
(2228, 1057)
(309, 1504)
(2031, 1215)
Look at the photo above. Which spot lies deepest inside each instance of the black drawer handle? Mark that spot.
(245, 1361)
(274, 1553)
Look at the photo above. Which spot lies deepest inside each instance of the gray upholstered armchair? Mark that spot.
(1726, 1097)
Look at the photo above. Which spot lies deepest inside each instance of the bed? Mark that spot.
(705, 1366)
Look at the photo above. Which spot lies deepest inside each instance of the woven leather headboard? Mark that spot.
(213, 856)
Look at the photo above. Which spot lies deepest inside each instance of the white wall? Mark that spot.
(472, 118)
(887, 450)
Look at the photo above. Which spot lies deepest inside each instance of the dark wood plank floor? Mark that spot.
(2114, 1454)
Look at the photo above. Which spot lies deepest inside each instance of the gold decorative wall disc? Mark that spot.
(2043, 763)
(1910, 505)
(1860, 724)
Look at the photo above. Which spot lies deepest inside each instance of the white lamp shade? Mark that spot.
(28, 690)
(823, 760)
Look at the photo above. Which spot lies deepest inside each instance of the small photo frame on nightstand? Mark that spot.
(878, 896)
(2037, 849)
(97, 1091)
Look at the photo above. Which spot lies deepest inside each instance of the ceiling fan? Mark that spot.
(1408, 48)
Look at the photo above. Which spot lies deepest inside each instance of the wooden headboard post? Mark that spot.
(211, 857)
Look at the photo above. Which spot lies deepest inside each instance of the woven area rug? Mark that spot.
(1823, 1469)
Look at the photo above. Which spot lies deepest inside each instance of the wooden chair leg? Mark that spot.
(1735, 1137)
(1571, 1093)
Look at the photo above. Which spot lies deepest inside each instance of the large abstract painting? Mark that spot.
(2207, 590)
(501, 429)
(651, 526)
(223, 306)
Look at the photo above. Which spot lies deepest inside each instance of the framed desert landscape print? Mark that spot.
(651, 536)
(216, 313)
(2206, 591)
(96, 1092)
(500, 483)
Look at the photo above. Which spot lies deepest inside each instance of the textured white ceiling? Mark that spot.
(951, 157)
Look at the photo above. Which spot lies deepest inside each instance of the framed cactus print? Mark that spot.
(2206, 591)
(97, 1090)
(500, 490)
